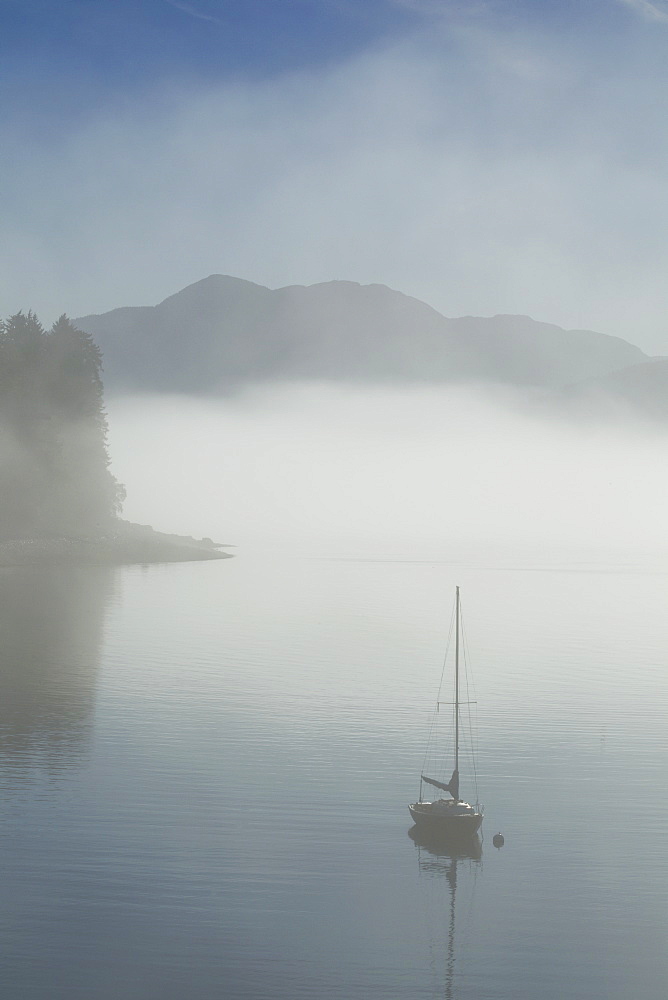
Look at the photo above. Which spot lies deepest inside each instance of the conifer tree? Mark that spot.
(56, 477)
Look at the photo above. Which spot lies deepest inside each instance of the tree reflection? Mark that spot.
(51, 622)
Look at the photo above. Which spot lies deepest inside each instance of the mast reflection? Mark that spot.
(439, 856)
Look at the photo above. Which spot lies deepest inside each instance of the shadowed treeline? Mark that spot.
(59, 503)
(55, 476)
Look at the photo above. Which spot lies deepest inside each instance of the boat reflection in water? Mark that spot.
(441, 856)
(437, 852)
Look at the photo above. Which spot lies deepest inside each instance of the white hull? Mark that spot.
(447, 816)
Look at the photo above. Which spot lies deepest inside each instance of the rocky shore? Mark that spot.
(125, 543)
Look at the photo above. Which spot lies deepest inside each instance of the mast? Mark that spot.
(457, 683)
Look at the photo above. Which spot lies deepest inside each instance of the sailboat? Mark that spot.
(453, 816)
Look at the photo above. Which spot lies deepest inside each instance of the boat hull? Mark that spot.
(456, 819)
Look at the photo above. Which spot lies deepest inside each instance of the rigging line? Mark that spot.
(445, 655)
(476, 733)
(473, 732)
(427, 751)
(432, 725)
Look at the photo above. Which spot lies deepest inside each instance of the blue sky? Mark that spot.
(82, 52)
(121, 43)
(489, 156)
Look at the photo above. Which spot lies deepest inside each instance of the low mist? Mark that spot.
(408, 473)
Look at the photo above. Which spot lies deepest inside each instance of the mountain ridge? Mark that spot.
(222, 332)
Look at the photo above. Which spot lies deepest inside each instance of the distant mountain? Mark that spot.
(222, 332)
(642, 388)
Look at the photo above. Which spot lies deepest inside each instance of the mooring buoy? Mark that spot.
(498, 840)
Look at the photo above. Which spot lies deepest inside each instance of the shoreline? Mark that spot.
(125, 544)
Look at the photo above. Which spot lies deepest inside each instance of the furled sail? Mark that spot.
(452, 786)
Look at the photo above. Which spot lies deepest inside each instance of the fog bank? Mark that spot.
(419, 473)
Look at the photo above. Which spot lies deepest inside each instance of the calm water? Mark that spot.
(205, 769)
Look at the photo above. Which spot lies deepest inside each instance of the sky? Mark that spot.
(490, 156)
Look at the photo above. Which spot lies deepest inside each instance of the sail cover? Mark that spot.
(452, 786)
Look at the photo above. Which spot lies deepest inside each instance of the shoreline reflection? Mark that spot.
(51, 626)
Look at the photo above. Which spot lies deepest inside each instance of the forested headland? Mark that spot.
(58, 498)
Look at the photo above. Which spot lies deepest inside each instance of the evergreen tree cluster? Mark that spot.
(53, 433)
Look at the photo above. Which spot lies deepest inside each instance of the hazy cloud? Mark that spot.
(482, 170)
(442, 7)
(193, 11)
(655, 10)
